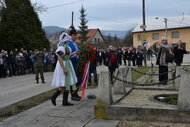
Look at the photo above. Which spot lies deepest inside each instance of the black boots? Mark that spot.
(54, 96)
(37, 81)
(65, 99)
(75, 96)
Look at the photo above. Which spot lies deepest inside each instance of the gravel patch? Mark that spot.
(142, 96)
(126, 123)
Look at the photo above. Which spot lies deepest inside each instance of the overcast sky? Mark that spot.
(109, 14)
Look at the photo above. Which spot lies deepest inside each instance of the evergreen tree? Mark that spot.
(115, 38)
(20, 27)
(109, 38)
(128, 40)
(83, 25)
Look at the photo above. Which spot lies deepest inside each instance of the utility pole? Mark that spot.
(144, 23)
(72, 20)
(144, 31)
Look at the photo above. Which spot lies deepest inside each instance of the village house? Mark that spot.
(94, 37)
(178, 28)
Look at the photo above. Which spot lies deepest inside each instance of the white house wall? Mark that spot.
(97, 35)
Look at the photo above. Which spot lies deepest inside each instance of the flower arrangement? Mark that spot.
(87, 52)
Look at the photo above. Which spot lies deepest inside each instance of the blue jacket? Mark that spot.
(74, 47)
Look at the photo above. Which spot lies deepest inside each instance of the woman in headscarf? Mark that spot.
(64, 74)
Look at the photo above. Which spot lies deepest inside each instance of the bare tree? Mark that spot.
(38, 7)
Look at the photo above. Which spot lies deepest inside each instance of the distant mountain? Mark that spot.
(49, 30)
(55, 29)
(119, 34)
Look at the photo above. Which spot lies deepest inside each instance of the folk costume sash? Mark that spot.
(68, 67)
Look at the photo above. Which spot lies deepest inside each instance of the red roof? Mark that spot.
(90, 35)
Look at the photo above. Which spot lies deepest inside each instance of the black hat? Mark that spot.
(72, 30)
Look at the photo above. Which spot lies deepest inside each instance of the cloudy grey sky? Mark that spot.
(109, 14)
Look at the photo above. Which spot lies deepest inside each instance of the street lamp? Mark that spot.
(166, 26)
(166, 29)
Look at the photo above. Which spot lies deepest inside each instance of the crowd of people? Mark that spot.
(22, 61)
(19, 62)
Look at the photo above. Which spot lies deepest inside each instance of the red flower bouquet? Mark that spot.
(87, 53)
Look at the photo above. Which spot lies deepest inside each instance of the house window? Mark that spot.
(98, 40)
(139, 37)
(175, 34)
(155, 36)
(95, 39)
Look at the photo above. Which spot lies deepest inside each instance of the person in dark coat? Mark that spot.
(128, 55)
(119, 56)
(11, 63)
(104, 56)
(139, 56)
(134, 56)
(112, 61)
(124, 56)
(92, 69)
(179, 50)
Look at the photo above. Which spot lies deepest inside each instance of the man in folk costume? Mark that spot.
(64, 75)
(74, 59)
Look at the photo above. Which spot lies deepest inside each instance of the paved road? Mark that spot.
(14, 89)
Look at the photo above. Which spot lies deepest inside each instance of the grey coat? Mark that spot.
(163, 50)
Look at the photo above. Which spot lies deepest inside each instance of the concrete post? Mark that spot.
(184, 89)
(104, 88)
(119, 87)
(177, 81)
(128, 74)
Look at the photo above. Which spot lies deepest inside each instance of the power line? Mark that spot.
(179, 22)
(113, 21)
(64, 4)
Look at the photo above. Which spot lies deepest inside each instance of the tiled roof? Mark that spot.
(158, 24)
(91, 34)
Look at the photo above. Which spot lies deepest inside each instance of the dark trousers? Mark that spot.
(11, 68)
(124, 60)
(163, 73)
(95, 76)
(134, 62)
(1, 70)
(39, 70)
(129, 62)
(111, 70)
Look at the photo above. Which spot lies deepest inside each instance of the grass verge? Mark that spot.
(137, 75)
